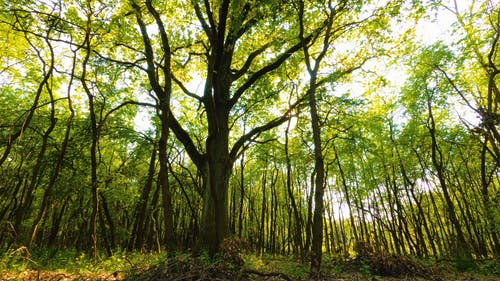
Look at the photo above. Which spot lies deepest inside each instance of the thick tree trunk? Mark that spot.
(214, 221)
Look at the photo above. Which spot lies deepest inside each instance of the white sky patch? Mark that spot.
(142, 120)
(336, 205)
(437, 29)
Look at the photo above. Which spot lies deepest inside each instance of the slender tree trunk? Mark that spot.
(297, 228)
(488, 205)
(319, 166)
(59, 163)
(105, 237)
(232, 210)
(347, 194)
(142, 212)
(111, 223)
(192, 229)
(150, 223)
(419, 217)
(461, 247)
(306, 253)
(263, 206)
(56, 223)
(25, 204)
(317, 229)
(242, 194)
(94, 181)
(94, 184)
(274, 212)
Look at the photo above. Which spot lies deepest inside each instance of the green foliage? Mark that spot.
(465, 264)
(16, 260)
(490, 267)
(144, 266)
(285, 264)
(76, 262)
(365, 267)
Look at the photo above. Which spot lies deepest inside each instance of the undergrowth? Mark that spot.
(230, 265)
(75, 262)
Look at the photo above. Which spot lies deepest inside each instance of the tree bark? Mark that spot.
(94, 184)
(313, 66)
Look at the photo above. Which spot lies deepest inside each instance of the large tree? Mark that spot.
(239, 44)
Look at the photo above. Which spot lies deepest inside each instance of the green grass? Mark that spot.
(284, 264)
(75, 262)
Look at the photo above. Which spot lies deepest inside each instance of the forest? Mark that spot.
(323, 131)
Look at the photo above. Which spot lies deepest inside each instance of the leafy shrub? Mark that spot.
(490, 267)
(373, 262)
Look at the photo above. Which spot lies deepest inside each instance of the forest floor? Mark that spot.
(42, 275)
(71, 265)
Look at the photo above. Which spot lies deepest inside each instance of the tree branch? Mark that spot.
(165, 44)
(266, 69)
(249, 61)
(455, 87)
(223, 14)
(258, 130)
(185, 90)
(125, 63)
(151, 70)
(103, 120)
(183, 136)
(202, 20)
